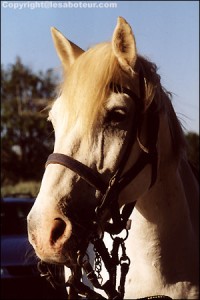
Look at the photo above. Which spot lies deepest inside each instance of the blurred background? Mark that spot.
(166, 32)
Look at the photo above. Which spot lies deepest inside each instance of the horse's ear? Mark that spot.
(124, 46)
(66, 50)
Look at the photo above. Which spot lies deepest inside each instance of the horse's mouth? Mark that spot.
(70, 251)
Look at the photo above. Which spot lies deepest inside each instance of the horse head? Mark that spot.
(117, 141)
(99, 101)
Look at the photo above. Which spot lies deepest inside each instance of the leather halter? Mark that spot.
(119, 180)
(110, 192)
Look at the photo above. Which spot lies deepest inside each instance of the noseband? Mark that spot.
(109, 202)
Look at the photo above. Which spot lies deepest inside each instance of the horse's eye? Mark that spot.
(116, 116)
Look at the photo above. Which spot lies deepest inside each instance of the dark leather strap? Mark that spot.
(92, 177)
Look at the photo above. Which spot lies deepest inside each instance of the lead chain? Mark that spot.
(98, 266)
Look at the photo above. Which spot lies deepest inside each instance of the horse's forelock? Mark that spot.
(87, 85)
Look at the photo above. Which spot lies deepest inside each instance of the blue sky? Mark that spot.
(166, 32)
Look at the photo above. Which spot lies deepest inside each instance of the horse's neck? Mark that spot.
(191, 189)
(164, 234)
(171, 204)
(168, 208)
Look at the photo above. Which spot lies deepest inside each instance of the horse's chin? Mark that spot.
(56, 259)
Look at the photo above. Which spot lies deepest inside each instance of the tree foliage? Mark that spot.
(26, 136)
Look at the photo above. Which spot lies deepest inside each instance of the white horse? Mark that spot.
(111, 97)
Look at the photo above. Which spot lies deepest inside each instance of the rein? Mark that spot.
(109, 202)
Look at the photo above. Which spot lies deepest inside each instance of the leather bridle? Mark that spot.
(109, 202)
(119, 180)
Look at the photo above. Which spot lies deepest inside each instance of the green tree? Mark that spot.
(26, 136)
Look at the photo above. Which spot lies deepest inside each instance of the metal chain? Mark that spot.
(98, 265)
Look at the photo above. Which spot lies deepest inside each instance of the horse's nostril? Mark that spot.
(58, 229)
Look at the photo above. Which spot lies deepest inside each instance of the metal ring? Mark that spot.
(123, 259)
(123, 239)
